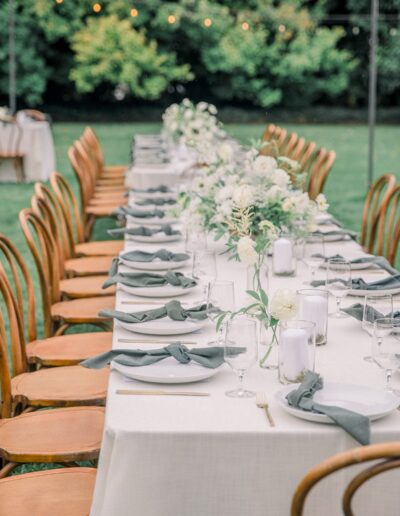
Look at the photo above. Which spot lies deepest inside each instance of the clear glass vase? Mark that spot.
(258, 277)
(268, 346)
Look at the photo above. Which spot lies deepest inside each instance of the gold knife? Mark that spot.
(130, 392)
(143, 341)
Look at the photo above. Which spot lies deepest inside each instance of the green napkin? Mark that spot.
(145, 231)
(154, 189)
(150, 279)
(357, 425)
(155, 202)
(211, 357)
(140, 214)
(173, 309)
(380, 261)
(360, 284)
(162, 254)
(357, 311)
(336, 232)
(330, 221)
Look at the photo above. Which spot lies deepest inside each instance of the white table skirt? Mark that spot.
(38, 145)
(217, 456)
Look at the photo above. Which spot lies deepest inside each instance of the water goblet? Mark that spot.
(386, 349)
(375, 307)
(204, 268)
(313, 255)
(221, 299)
(338, 282)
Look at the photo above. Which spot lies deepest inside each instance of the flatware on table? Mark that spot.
(144, 341)
(261, 401)
(131, 392)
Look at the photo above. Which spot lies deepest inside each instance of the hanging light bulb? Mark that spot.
(393, 31)
(356, 30)
(134, 12)
(96, 7)
(281, 28)
(59, 1)
(171, 19)
(245, 26)
(207, 22)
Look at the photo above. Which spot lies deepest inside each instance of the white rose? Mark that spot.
(225, 151)
(281, 178)
(264, 166)
(283, 304)
(246, 251)
(243, 195)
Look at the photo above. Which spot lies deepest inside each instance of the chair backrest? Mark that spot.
(92, 142)
(70, 207)
(376, 201)
(268, 133)
(389, 227)
(307, 157)
(298, 149)
(6, 404)
(44, 250)
(290, 144)
(320, 171)
(83, 176)
(10, 139)
(280, 137)
(388, 453)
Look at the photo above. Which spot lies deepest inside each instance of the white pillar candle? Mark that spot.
(293, 351)
(314, 309)
(282, 256)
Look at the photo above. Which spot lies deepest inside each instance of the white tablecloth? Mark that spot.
(38, 146)
(217, 456)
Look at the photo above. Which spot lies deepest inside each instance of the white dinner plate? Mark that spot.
(156, 265)
(354, 266)
(322, 217)
(164, 326)
(167, 371)
(152, 221)
(368, 401)
(376, 293)
(159, 291)
(334, 238)
(157, 238)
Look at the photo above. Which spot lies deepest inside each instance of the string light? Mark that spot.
(281, 28)
(96, 7)
(356, 30)
(245, 26)
(171, 19)
(134, 12)
(207, 22)
(59, 1)
(393, 31)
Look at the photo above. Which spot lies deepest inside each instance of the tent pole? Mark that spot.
(372, 88)
(12, 67)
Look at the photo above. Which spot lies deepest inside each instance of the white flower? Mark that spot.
(225, 151)
(225, 208)
(273, 193)
(243, 195)
(283, 304)
(246, 251)
(281, 178)
(224, 193)
(264, 166)
(322, 202)
(270, 230)
(287, 204)
(212, 109)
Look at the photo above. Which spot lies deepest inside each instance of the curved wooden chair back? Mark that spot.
(89, 138)
(307, 157)
(83, 177)
(69, 206)
(291, 144)
(320, 171)
(281, 137)
(45, 254)
(88, 162)
(298, 149)
(389, 227)
(375, 203)
(269, 132)
(269, 148)
(6, 403)
(387, 453)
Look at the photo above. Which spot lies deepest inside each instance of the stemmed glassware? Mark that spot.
(338, 282)
(195, 239)
(221, 298)
(375, 307)
(386, 349)
(313, 255)
(205, 268)
(240, 350)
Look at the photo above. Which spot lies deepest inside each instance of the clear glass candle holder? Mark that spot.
(296, 350)
(313, 306)
(284, 256)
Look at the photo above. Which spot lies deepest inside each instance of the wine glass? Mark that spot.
(221, 298)
(240, 350)
(204, 268)
(386, 349)
(195, 239)
(338, 282)
(313, 255)
(375, 307)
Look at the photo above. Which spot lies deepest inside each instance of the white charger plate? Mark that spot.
(167, 371)
(354, 266)
(164, 326)
(368, 401)
(157, 238)
(159, 291)
(156, 265)
(375, 293)
(153, 221)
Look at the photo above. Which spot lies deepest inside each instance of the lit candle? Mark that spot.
(315, 309)
(293, 353)
(282, 256)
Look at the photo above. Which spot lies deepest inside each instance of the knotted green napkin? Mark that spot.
(357, 425)
(155, 202)
(360, 284)
(330, 221)
(162, 254)
(375, 260)
(336, 232)
(140, 214)
(144, 231)
(173, 309)
(357, 311)
(153, 189)
(150, 279)
(211, 357)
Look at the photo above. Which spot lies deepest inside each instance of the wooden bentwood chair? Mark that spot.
(387, 453)
(389, 228)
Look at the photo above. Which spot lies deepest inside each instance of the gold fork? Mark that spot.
(261, 401)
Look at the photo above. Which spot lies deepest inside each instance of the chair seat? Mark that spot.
(61, 492)
(100, 248)
(102, 210)
(114, 169)
(88, 286)
(82, 311)
(109, 189)
(61, 386)
(108, 201)
(72, 433)
(88, 266)
(110, 181)
(69, 349)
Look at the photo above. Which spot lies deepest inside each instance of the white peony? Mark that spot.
(225, 151)
(275, 192)
(243, 196)
(284, 304)
(281, 178)
(246, 251)
(225, 192)
(264, 166)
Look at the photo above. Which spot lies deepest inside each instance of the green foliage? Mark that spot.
(109, 51)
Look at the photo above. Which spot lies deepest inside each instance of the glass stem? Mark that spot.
(388, 373)
(338, 303)
(240, 375)
(312, 275)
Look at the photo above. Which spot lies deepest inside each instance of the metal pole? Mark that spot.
(12, 66)
(372, 89)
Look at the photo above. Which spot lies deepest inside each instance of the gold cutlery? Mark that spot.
(131, 392)
(261, 401)
(143, 341)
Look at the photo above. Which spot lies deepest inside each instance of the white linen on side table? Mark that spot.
(217, 456)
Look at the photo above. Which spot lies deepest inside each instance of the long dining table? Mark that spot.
(218, 456)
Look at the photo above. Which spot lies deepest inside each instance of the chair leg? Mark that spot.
(61, 329)
(89, 227)
(18, 163)
(6, 470)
